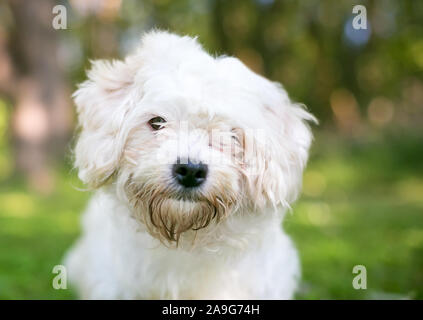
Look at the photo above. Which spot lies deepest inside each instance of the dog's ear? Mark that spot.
(281, 154)
(102, 102)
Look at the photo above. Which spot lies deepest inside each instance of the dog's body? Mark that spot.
(160, 227)
(114, 260)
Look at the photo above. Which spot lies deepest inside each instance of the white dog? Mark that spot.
(194, 160)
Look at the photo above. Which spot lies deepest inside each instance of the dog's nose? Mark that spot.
(189, 175)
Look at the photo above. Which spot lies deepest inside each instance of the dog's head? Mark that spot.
(186, 138)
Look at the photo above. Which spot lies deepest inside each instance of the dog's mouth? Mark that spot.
(168, 214)
(168, 218)
(187, 196)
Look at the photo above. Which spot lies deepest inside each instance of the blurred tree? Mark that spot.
(36, 85)
(351, 80)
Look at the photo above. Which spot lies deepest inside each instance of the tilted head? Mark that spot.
(187, 139)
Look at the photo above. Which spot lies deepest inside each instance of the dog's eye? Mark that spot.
(237, 135)
(156, 123)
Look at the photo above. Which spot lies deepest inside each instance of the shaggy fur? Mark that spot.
(143, 236)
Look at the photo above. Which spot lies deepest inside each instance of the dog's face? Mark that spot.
(187, 139)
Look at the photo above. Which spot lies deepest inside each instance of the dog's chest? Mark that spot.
(180, 275)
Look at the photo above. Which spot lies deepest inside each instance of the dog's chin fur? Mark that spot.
(145, 236)
(167, 216)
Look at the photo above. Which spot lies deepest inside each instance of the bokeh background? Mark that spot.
(363, 190)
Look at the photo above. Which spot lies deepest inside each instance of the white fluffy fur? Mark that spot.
(243, 255)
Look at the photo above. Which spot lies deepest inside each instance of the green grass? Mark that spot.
(362, 205)
(35, 231)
